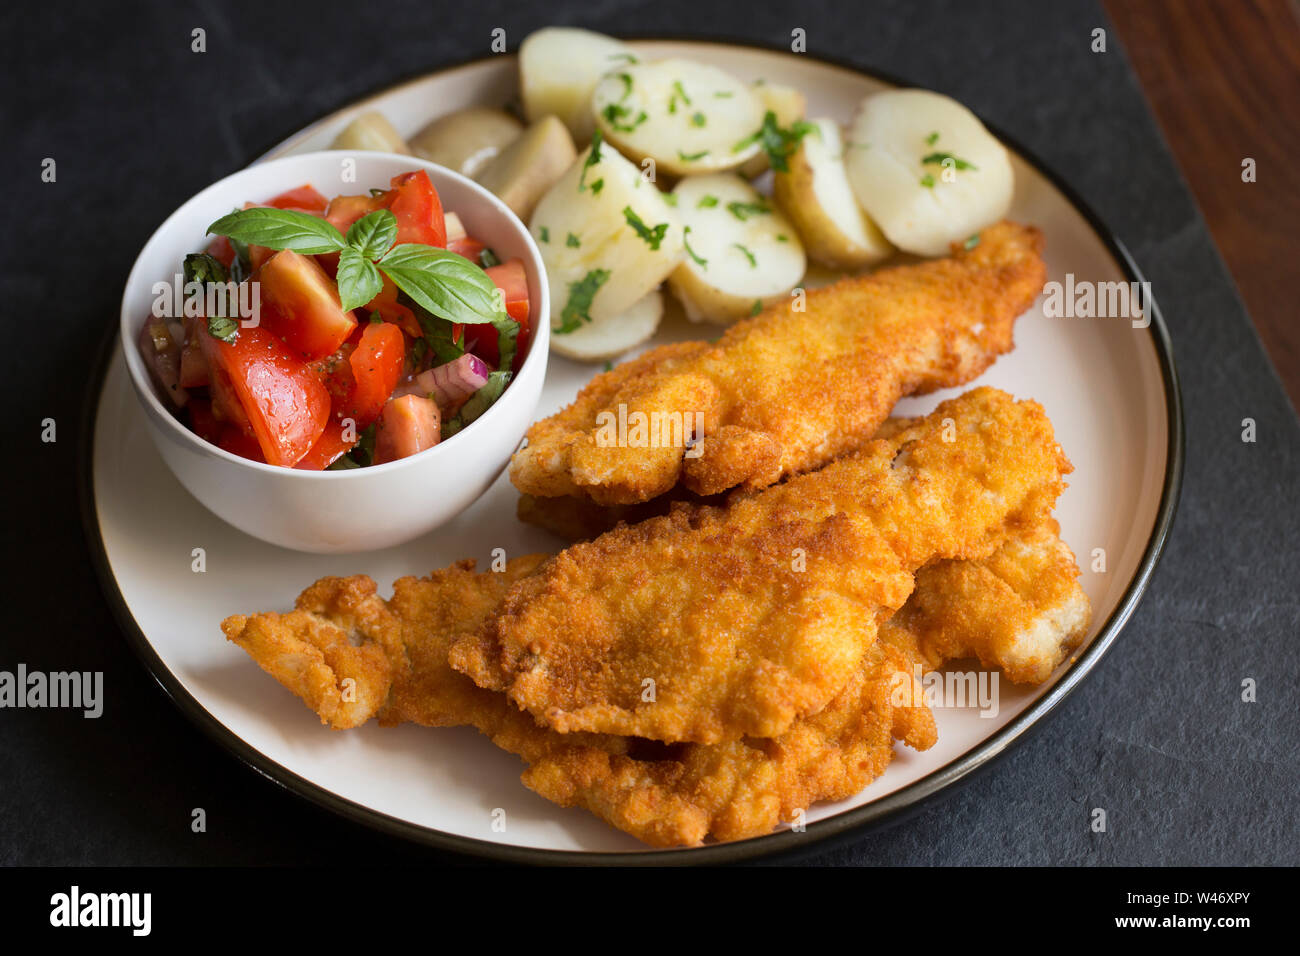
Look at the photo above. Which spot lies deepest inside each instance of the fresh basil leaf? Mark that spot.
(448, 285)
(220, 327)
(372, 235)
(201, 267)
(359, 281)
(437, 334)
(280, 229)
(241, 268)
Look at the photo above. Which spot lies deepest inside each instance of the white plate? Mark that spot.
(1110, 390)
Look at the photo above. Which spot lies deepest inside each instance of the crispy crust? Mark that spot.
(395, 651)
(845, 360)
(712, 624)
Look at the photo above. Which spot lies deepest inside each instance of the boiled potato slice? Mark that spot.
(466, 140)
(371, 132)
(529, 166)
(607, 237)
(605, 338)
(788, 105)
(815, 193)
(741, 252)
(558, 69)
(926, 170)
(687, 117)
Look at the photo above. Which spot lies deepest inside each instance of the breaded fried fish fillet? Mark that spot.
(711, 624)
(389, 658)
(793, 388)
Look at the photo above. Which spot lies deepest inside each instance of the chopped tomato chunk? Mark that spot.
(512, 280)
(468, 247)
(282, 401)
(376, 364)
(332, 445)
(304, 199)
(300, 304)
(408, 425)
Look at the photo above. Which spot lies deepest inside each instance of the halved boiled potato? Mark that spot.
(926, 170)
(815, 193)
(788, 105)
(520, 175)
(373, 132)
(558, 69)
(607, 237)
(687, 117)
(605, 338)
(741, 252)
(466, 140)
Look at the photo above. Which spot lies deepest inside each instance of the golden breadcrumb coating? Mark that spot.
(798, 385)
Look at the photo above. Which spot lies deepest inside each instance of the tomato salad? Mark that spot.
(382, 328)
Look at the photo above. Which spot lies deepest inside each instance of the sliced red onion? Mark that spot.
(450, 383)
(163, 356)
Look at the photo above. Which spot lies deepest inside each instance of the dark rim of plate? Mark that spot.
(818, 837)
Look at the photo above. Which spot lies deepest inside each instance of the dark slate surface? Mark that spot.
(1157, 735)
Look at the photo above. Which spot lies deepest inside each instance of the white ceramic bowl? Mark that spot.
(364, 508)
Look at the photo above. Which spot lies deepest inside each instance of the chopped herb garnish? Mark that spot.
(593, 157)
(609, 366)
(487, 258)
(756, 308)
(699, 261)
(627, 84)
(707, 202)
(932, 139)
(778, 143)
(942, 159)
(743, 210)
(653, 237)
(616, 113)
(220, 327)
(545, 234)
(971, 242)
(782, 237)
(678, 92)
(572, 241)
(691, 157)
(627, 58)
(597, 186)
(698, 119)
(577, 310)
(927, 181)
(753, 263)
(723, 94)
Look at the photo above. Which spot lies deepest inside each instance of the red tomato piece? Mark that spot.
(283, 402)
(221, 250)
(376, 364)
(300, 304)
(418, 209)
(343, 211)
(335, 371)
(240, 443)
(329, 448)
(468, 247)
(512, 280)
(408, 425)
(413, 201)
(389, 308)
(303, 199)
(202, 422)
